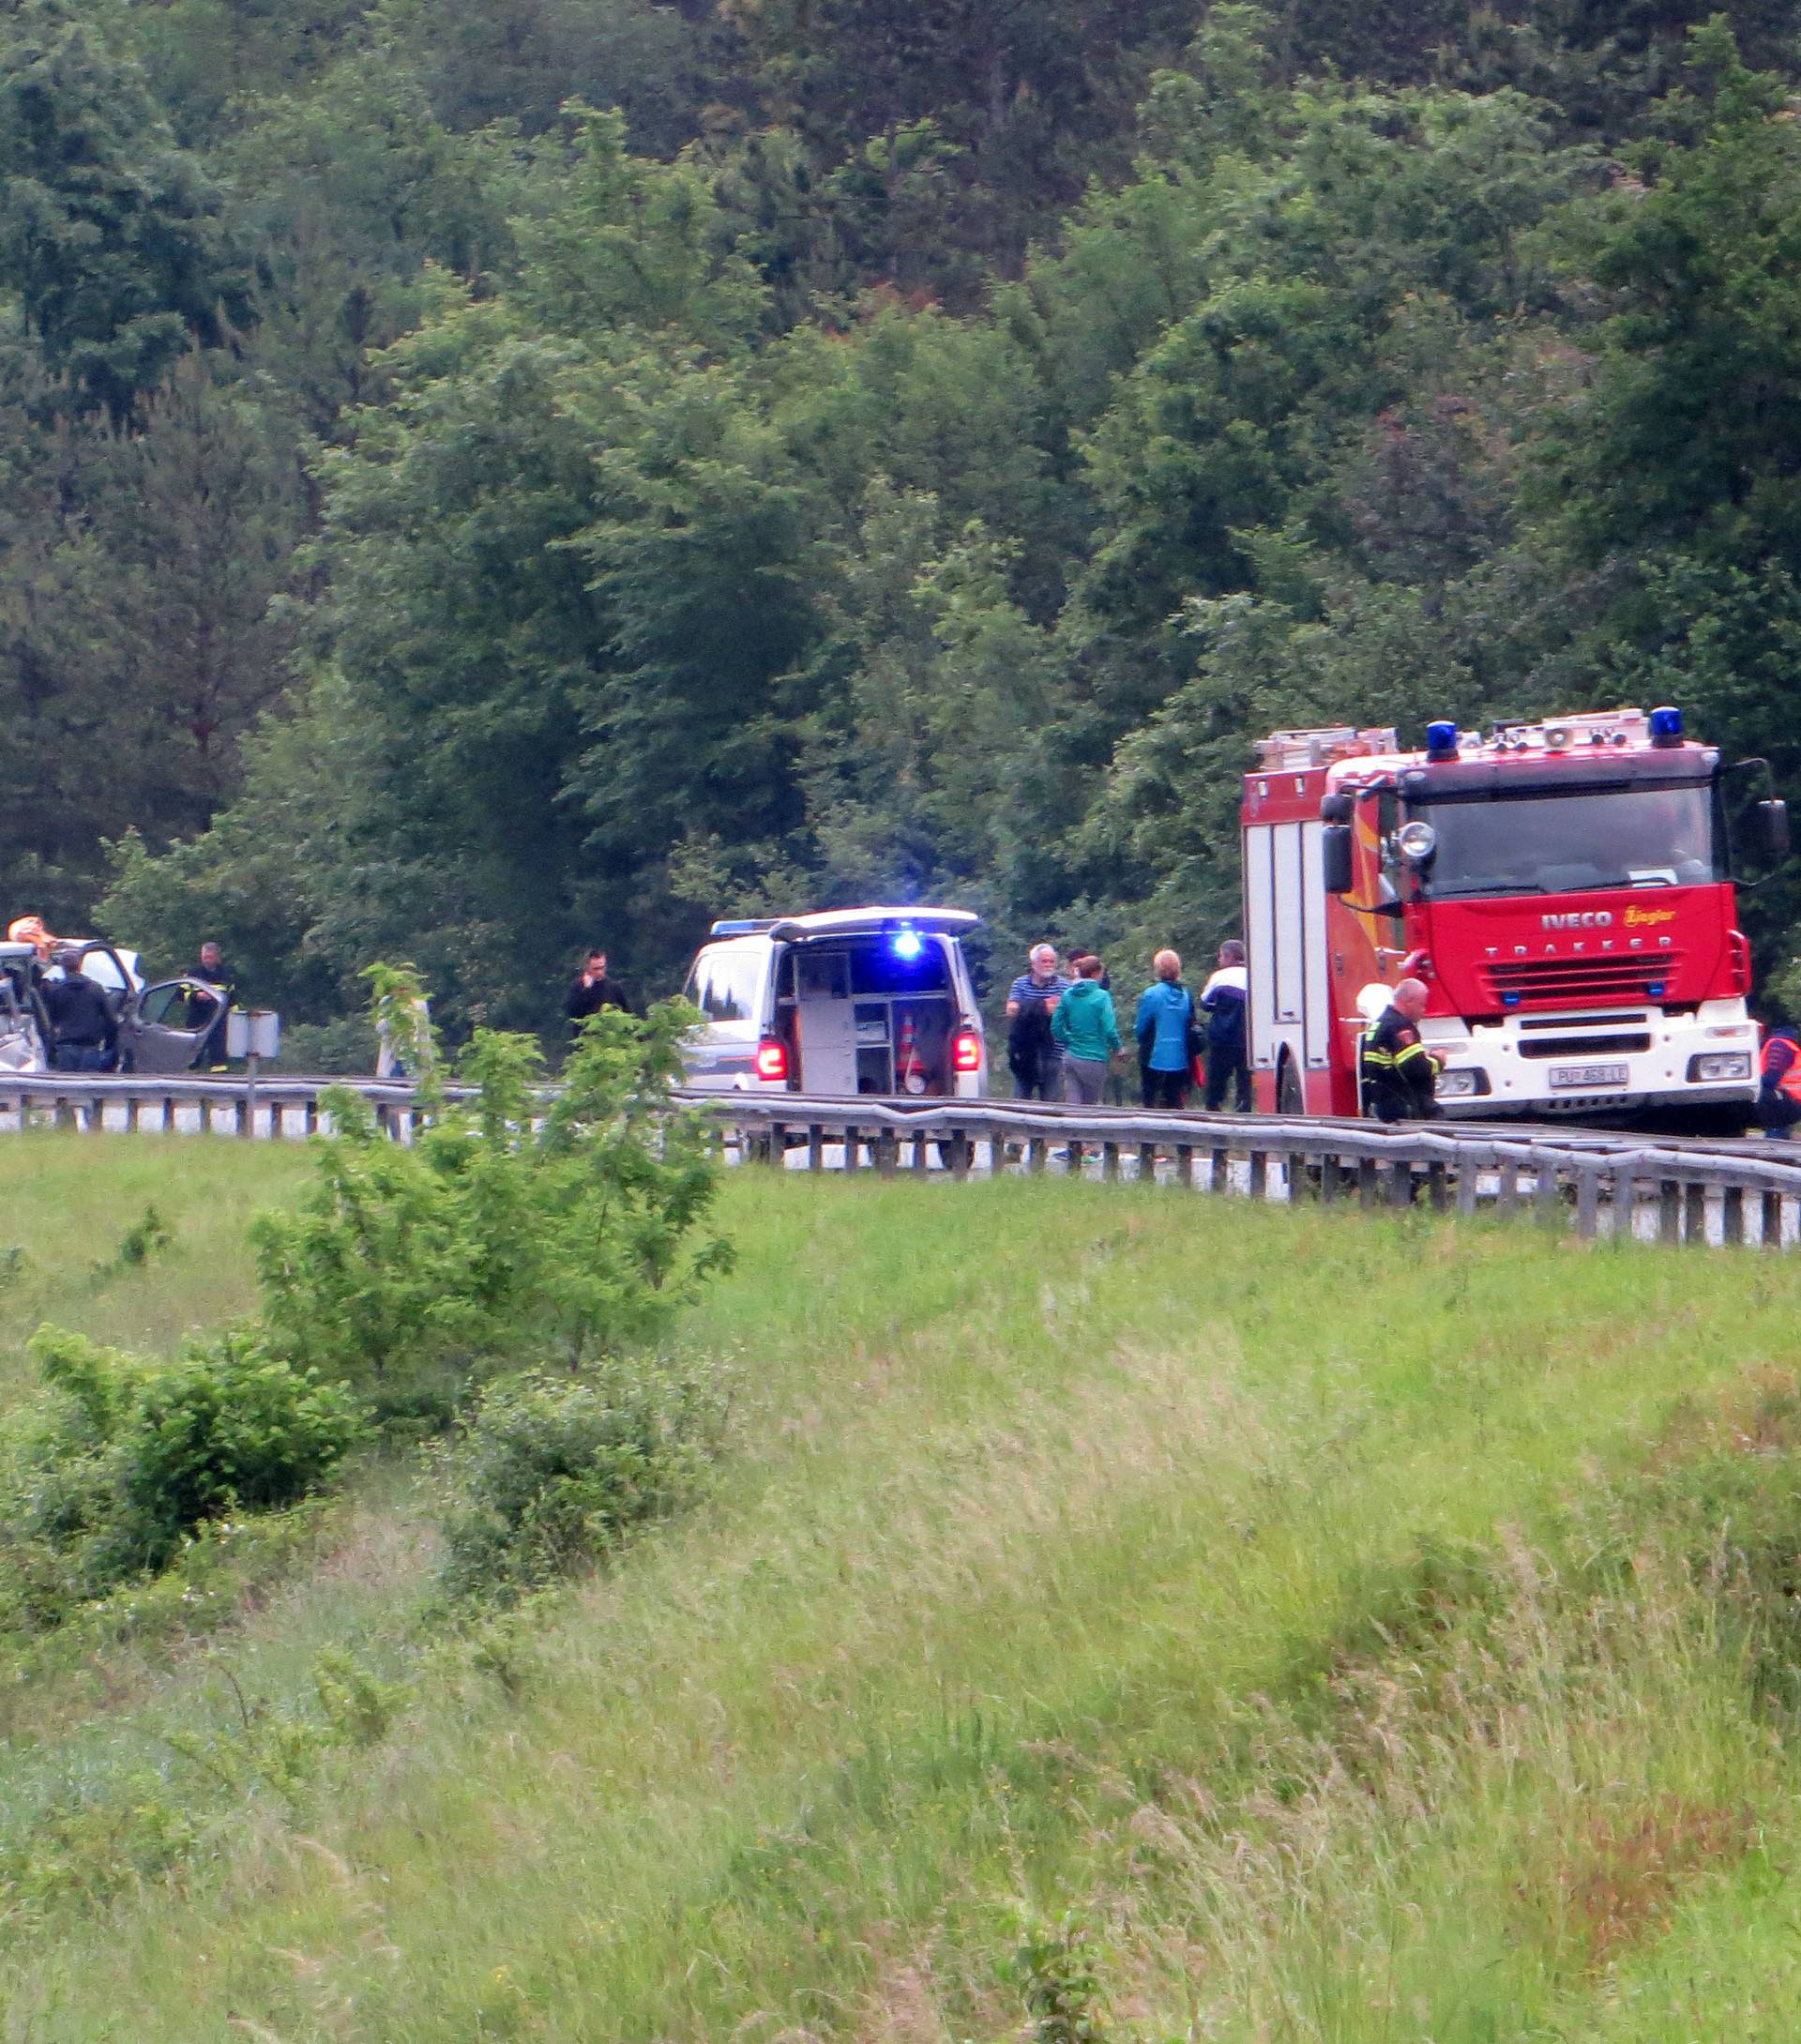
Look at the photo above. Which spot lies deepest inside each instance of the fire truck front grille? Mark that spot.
(1545, 982)
(1582, 1045)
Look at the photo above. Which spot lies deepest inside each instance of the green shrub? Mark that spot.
(551, 1475)
(108, 1481)
(512, 1231)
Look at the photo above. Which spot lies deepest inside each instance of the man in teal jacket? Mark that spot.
(1087, 1032)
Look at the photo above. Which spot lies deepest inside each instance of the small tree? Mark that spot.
(519, 1227)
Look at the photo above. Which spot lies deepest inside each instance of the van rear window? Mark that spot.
(727, 986)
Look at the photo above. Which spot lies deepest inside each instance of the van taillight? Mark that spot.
(772, 1059)
(966, 1052)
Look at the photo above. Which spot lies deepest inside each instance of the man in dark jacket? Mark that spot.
(1400, 1073)
(85, 1030)
(212, 970)
(593, 990)
(1222, 1001)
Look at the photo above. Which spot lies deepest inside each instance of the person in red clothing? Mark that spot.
(1779, 1091)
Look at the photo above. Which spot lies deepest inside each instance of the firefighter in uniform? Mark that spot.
(1398, 1072)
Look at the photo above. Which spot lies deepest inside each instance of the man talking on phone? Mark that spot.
(593, 990)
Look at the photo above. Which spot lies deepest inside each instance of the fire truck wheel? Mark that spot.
(1290, 1099)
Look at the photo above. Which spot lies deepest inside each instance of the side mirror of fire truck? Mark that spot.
(1335, 857)
(1773, 829)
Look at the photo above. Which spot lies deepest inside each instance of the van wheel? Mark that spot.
(1290, 1098)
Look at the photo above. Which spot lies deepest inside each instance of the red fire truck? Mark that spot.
(1561, 887)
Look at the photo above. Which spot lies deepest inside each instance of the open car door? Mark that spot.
(165, 1027)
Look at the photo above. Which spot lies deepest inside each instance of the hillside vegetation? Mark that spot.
(1111, 1608)
(490, 475)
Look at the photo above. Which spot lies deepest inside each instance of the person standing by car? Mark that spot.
(1222, 1001)
(1165, 1015)
(594, 989)
(83, 1028)
(212, 970)
(1032, 1054)
(1087, 1032)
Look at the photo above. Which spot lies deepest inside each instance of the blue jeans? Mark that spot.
(81, 1057)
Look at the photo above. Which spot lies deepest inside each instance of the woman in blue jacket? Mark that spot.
(1165, 1019)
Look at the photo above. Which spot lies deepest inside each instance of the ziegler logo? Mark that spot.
(1588, 918)
(1650, 916)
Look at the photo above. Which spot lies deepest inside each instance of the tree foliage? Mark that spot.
(478, 487)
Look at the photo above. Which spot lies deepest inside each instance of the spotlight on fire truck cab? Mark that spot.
(1417, 841)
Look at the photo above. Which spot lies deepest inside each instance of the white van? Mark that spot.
(842, 1002)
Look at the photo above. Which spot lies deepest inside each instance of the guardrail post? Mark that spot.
(1367, 1181)
(1147, 1162)
(93, 1114)
(1257, 1175)
(1668, 1210)
(1038, 1155)
(1329, 1176)
(887, 1153)
(1184, 1166)
(960, 1147)
(1695, 1218)
(1220, 1172)
(1506, 1186)
(852, 1160)
(1731, 1216)
(1588, 1201)
(815, 1147)
(1468, 1175)
(1401, 1183)
(1437, 1190)
(130, 1113)
(1544, 1199)
(1770, 1233)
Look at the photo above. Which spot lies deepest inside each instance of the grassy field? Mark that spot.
(1308, 1625)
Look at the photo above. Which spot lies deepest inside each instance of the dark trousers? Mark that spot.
(1164, 1090)
(1226, 1067)
(1778, 1112)
(81, 1057)
(1037, 1078)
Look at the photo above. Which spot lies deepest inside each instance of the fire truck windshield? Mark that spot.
(1538, 843)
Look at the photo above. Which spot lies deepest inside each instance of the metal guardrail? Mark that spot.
(1597, 1180)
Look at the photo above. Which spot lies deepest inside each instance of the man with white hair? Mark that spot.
(1400, 1073)
(1032, 1055)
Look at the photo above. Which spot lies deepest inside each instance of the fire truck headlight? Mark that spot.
(1461, 1085)
(1720, 1064)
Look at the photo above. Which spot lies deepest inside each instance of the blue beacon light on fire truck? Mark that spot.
(906, 941)
(1666, 725)
(1441, 740)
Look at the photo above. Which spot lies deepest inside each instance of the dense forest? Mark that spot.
(487, 475)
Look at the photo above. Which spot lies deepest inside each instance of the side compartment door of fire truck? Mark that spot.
(1291, 1007)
